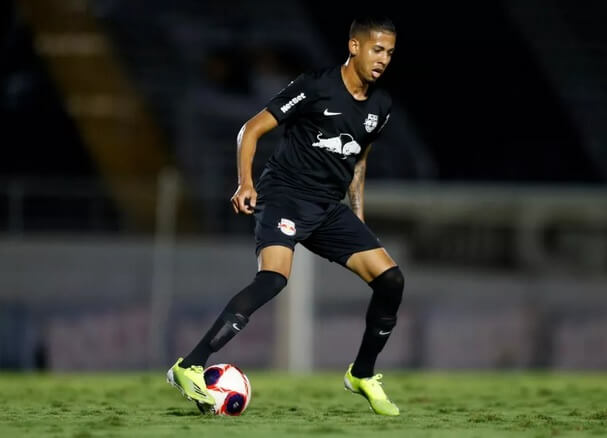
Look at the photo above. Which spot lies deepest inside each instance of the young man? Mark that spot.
(332, 116)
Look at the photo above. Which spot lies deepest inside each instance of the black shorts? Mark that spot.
(331, 230)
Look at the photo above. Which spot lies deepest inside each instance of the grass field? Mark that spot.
(432, 405)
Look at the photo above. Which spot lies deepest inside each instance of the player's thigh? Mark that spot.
(280, 222)
(370, 264)
(341, 235)
(276, 258)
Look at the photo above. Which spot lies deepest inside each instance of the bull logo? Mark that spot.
(343, 144)
(287, 227)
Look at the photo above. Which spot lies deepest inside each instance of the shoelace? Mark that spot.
(376, 379)
(197, 369)
(376, 385)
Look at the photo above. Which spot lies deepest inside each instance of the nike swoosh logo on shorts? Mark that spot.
(383, 333)
(329, 113)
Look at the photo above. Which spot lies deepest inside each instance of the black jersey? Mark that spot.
(326, 130)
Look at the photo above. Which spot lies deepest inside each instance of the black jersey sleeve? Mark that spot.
(291, 99)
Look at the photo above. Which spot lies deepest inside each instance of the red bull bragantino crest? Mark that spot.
(371, 122)
(287, 227)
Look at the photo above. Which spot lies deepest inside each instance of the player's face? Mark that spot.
(373, 54)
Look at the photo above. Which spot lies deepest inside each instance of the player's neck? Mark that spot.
(353, 82)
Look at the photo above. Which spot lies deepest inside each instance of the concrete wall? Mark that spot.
(84, 303)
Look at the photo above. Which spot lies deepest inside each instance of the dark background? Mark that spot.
(502, 92)
(487, 186)
(466, 76)
(475, 91)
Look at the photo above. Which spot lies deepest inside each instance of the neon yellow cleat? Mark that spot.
(190, 382)
(371, 389)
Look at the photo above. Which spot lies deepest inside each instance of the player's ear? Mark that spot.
(353, 46)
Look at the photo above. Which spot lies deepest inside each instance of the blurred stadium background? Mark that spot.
(118, 122)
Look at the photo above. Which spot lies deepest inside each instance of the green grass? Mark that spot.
(432, 404)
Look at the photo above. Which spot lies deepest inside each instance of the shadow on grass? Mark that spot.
(181, 413)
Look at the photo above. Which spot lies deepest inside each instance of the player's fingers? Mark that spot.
(250, 201)
(242, 206)
(234, 203)
(247, 206)
(253, 200)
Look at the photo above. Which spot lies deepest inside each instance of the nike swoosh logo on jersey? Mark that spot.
(383, 333)
(329, 113)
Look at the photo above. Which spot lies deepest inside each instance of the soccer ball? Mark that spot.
(230, 388)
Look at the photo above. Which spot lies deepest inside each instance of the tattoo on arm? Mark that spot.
(355, 191)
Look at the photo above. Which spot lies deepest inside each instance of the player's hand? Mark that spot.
(244, 199)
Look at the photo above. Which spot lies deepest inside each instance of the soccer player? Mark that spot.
(331, 117)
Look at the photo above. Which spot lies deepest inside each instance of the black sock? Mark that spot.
(381, 319)
(235, 316)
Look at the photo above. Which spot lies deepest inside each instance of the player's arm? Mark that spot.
(245, 197)
(357, 186)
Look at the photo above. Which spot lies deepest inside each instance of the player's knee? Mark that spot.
(271, 281)
(265, 286)
(389, 286)
(395, 280)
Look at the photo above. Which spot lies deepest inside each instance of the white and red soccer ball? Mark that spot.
(230, 388)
